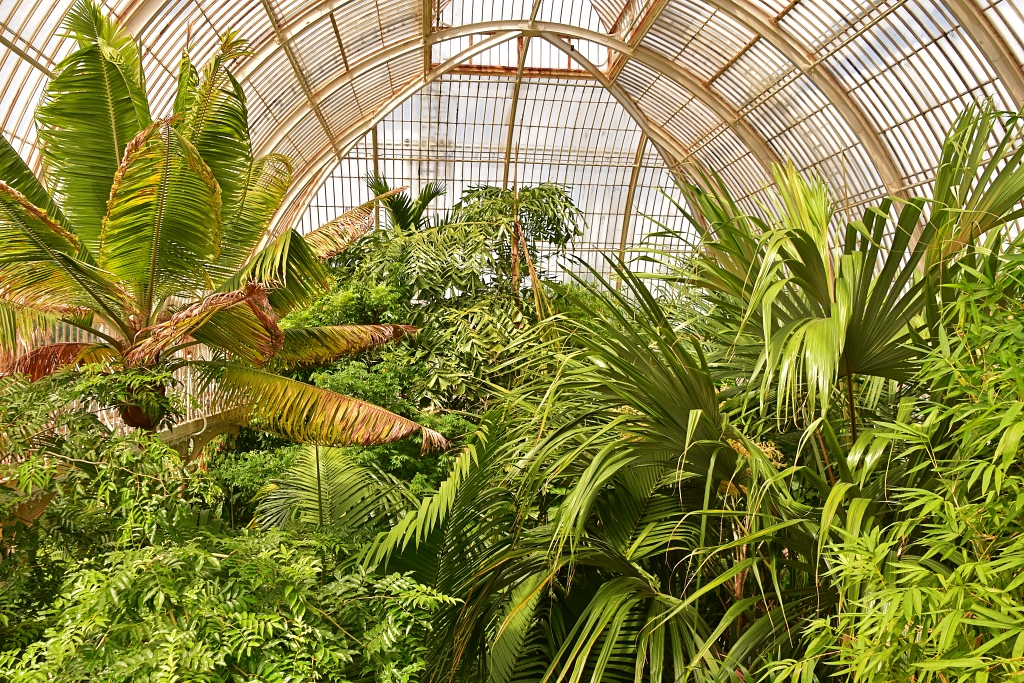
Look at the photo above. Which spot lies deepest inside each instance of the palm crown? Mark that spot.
(151, 235)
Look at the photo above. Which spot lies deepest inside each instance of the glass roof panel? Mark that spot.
(860, 91)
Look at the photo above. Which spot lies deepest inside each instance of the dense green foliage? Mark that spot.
(796, 459)
(803, 463)
(130, 573)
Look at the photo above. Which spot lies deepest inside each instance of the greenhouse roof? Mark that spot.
(607, 96)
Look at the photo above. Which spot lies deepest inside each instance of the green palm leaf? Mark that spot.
(89, 113)
(16, 173)
(261, 196)
(216, 121)
(291, 271)
(38, 266)
(163, 224)
(327, 488)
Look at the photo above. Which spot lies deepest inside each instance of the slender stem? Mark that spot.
(824, 454)
(91, 330)
(853, 407)
(319, 488)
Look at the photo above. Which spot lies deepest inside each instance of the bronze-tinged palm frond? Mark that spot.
(309, 414)
(45, 360)
(39, 268)
(241, 322)
(334, 237)
(17, 174)
(306, 345)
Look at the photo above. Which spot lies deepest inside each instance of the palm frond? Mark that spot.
(240, 322)
(334, 237)
(405, 214)
(16, 173)
(979, 185)
(45, 360)
(90, 111)
(289, 269)
(188, 80)
(38, 265)
(246, 224)
(308, 345)
(326, 487)
(309, 414)
(163, 223)
(217, 123)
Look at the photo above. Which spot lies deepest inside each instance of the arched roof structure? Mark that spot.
(608, 96)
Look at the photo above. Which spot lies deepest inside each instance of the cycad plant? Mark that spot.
(151, 236)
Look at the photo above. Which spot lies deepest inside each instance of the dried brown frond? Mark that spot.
(180, 326)
(334, 237)
(46, 360)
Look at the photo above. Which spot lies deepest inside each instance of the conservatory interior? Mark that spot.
(534, 341)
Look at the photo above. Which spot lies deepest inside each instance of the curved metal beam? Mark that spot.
(294, 198)
(627, 213)
(653, 60)
(377, 60)
(300, 76)
(307, 181)
(665, 143)
(980, 29)
(763, 25)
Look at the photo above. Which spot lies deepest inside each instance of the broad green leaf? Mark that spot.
(89, 113)
(163, 225)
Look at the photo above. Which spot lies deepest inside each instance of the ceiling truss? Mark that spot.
(141, 17)
(314, 105)
(980, 29)
(767, 28)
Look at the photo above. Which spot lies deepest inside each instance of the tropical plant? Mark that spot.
(630, 517)
(149, 236)
(129, 574)
(219, 608)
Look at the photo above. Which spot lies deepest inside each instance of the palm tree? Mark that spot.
(150, 235)
(623, 520)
